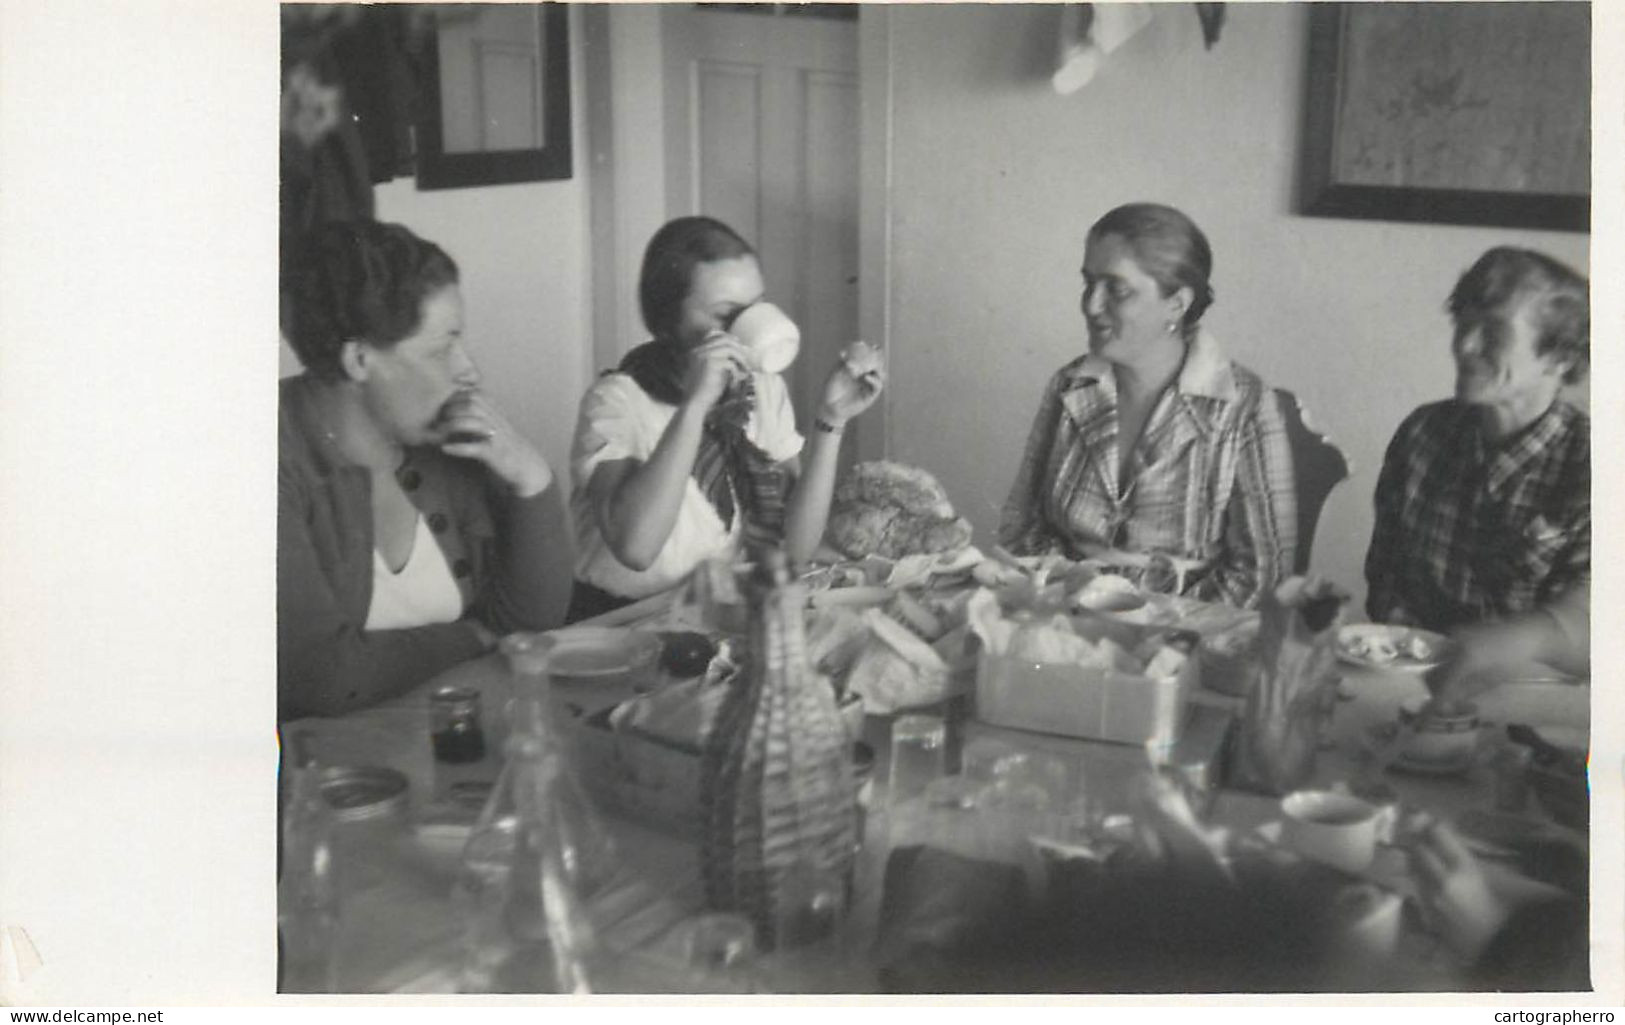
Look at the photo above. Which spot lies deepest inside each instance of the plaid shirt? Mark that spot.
(1210, 479)
(1466, 531)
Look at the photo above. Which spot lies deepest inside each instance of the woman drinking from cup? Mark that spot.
(413, 520)
(1154, 441)
(690, 446)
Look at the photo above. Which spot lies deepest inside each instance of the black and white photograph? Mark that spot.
(829, 500)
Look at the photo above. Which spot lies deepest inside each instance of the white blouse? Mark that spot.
(423, 592)
(620, 421)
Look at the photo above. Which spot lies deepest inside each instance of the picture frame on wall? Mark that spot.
(495, 82)
(1450, 113)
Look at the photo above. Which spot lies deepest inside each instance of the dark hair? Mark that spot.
(669, 262)
(357, 281)
(1505, 276)
(1168, 246)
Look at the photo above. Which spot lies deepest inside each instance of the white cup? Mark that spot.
(771, 339)
(1334, 828)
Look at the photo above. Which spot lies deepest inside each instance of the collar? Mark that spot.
(1205, 373)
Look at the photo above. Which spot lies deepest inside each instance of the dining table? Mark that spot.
(402, 930)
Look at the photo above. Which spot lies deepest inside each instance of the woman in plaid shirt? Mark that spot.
(1154, 441)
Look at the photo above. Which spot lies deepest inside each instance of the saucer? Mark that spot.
(1414, 766)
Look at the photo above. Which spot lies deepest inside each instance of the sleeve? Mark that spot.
(1382, 559)
(775, 426)
(327, 663)
(1572, 611)
(529, 582)
(606, 429)
(1022, 528)
(1261, 523)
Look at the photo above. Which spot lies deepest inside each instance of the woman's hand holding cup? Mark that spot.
(473, 428)
(712, 366)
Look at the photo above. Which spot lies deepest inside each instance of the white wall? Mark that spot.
(995, 180)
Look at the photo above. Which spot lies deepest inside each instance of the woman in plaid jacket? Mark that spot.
(1154, 441)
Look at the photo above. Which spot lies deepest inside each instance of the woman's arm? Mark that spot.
(327, 662)
(808, 511)
(635, 502)
(1021, 522)
(852, 387)
(1261, 523)
(528, 582)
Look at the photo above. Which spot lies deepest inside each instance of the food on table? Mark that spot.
(1230, 658)
(1048, 641)
(686, 654)
(684, 711)
(1238, 640)
(1052, 640)
(861, 359)
(835, 636)
(1420, 648)
(891, 510)
(1375, 647)
(912, 613)
(895, 669)
(1108, 592)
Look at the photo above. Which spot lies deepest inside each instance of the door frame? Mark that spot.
(628, 179)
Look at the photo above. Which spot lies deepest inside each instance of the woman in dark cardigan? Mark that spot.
(413, 521)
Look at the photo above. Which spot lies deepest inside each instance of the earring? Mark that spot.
(1173, 327)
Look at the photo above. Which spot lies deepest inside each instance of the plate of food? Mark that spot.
(1381, 646)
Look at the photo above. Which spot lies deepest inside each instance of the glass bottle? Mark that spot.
(307, 888)
(535, 858)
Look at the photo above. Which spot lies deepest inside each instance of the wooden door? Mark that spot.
(762, 133)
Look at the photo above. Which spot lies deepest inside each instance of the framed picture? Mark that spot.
(496, 96)
(1455, 113)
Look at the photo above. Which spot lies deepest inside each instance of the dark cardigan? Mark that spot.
(495, 544)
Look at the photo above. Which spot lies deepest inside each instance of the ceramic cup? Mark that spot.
(1334, 828)
(1443, 741)
(771, 338)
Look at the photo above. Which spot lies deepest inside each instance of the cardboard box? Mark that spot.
(1084, 701)
(1108, 771)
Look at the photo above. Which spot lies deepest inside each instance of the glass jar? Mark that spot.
(454, 725)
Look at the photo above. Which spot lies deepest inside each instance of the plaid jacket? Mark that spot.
(1467, 532)
(1211, 478)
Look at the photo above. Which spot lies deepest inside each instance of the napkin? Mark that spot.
(1280, 726)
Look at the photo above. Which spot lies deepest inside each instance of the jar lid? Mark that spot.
(364, 793)
(457, 696)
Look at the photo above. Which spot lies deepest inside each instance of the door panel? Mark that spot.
(728, 180)
(762, 132)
